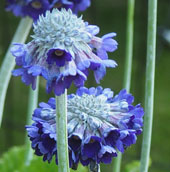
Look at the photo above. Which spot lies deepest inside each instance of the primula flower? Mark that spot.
(99, 125)
(63, 49)
(34, 8)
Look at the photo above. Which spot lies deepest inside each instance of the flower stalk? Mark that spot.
(61, 128)
(149, 87)
(129, 45)
(128, 63)
(32, 104)
(9, 61)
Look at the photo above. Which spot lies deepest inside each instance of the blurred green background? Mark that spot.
(110, 16)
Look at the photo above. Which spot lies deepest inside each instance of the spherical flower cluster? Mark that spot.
(34, 8)
(98, 126)
(63, 49)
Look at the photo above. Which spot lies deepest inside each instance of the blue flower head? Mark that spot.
(34, 8)
(99, 125)
(63, 50)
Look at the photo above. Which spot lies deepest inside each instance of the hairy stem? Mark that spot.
(128, 64)
(61, 128)
(149, 87)
(32, 104)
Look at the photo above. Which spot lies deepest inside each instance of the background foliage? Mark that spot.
(109, 15)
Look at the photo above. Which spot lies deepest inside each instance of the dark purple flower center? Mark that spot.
(107, 158)
(48, 143)
(36, 4)
(90, 149)
(58, 5)
(112, 137)
(74, 143)
(58, 56)
(58, 53)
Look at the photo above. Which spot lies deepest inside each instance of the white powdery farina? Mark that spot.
(61, 30)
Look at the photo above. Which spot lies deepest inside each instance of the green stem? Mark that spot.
(149, 89)
(9, 61)
(128, 63)
(61, 127)
(117, 163)
(129, 45)
(32, 104)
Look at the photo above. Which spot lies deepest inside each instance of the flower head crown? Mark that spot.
(98, 126)
(63, 49)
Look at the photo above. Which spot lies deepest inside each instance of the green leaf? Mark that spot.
(13, 161)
